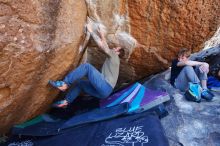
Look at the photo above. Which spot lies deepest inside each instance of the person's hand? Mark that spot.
(204, 68)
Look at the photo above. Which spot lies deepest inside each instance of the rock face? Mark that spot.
(214, 41)
(39, 41)
(164, 26)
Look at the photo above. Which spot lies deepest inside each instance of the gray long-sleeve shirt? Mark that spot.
(110, 68)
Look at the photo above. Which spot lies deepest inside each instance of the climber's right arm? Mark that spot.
(101, 42)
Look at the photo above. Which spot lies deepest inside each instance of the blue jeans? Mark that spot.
(95, 85)
(189, 74)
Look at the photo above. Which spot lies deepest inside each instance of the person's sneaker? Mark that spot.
(195, 90)
(57, 84)
(60, 104)
(207, 95)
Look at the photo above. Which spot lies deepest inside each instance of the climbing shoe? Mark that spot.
(207, 95)
(56, 84)
(194, 92)
(60, 104)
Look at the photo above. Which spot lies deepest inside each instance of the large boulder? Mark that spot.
(163, 26)
(39, 41)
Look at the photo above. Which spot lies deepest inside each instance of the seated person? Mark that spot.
(97, 84)
(184, 71)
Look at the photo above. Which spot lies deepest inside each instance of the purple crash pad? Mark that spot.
(138, 97)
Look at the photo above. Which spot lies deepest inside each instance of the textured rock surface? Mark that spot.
(189, 123)
(37, 36)
(38, 41)
(164, 26)
(214, 41)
